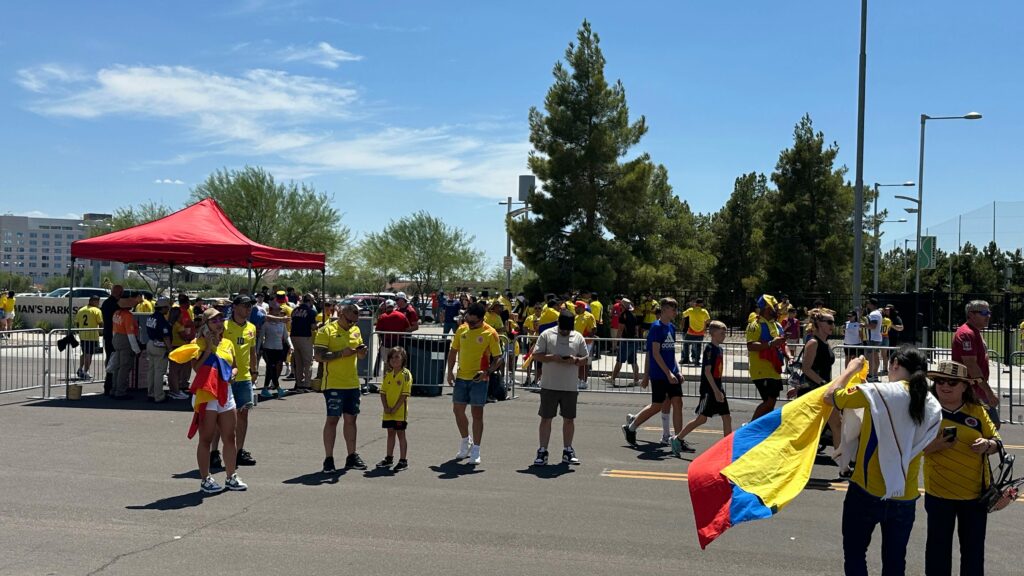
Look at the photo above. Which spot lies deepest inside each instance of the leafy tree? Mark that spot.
(808, 234)
(292, 216)
(128, 216)
(738, 235)
(578, 141)
(16, 282)
(423, 249)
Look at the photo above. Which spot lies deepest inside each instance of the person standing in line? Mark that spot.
(874, 329)
(145, 305)
(626, 353)
(563, 350)
(242, 335)
(275, 345)
(394, 398)
(390, 327)
(4, 324)
(87, 320)
(767, 353)
(158, 331)
(613, 323)
(697, 317)
(851, 336)
(477, 348)
(585, 324)
(662, 373)
(126, 345)
(451, 309)
(970, 349)
(712, 391)
(955, 474)
(303, 321)
(339, 345)
(108, 308)
(182, 332)
(402, 305)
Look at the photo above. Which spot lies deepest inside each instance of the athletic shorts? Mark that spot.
(885, 341)
(768, 388)
(662, 390)
(91, 347)
(214, 406)
(342, 401)
(470, 392)
(710, 407)
(243, 394)
(396, 424)
(553, 402)
(627, 352)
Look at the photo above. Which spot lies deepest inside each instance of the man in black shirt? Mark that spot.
(303, 325)
(628, 346)
(107, 309)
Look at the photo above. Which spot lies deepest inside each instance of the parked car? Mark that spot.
(79, 293)
(368, 303)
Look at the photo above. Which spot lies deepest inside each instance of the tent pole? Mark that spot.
(323, 287)
(252, 289)
(170, 280)
(67, 349)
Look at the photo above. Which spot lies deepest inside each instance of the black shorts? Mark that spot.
(662, 390)
(90, 347)
(396, 424)
(768, 388)
(710, 407)
(560, 401)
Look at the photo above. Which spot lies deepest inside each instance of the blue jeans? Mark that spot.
(861, 513)
(969, 519)
(691, 349)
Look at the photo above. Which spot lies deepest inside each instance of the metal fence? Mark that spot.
(23, 356)
(1014, 397)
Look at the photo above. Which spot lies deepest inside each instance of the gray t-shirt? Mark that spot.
(558, 376)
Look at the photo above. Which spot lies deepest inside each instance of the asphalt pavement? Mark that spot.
(104, 487)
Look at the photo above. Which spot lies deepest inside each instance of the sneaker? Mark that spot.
(630, 418)
(245, 459)
(665, 438)
(266, 393)
(86, 375)
(582, 385)
(685, 446)
(210, 486)
(464, 447)
(677, 446)
(386, 462)
(630, 435)
(178, 396)
(215, 461)
(235, 483)
(569, 456)
(80, 374)
(608, 380)
(281, 392)
(474, 455)
(402, 465)
(354, 462)
(329, 465)
(542, 457)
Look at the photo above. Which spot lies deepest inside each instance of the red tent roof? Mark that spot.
(200, 234)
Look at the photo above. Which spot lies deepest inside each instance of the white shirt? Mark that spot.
(852, 333)
(875, 334)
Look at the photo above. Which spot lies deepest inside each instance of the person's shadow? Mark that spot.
(188, 500)
(453, 469)
(549, 471)
(318, 478)
(651, 451)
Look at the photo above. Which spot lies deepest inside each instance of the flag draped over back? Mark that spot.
(211, 381)
(759, 469)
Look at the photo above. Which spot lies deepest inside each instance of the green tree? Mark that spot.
(423, 249)
(128, 216)
(738, 235)
(578, 141)
(808, 223)
(16, 282)
(293, 216)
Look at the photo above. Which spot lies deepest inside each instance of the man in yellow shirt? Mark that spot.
(242, 335)
(697, 318)
(339, 346)
(88, 321)
(477, 349)
(767, 351)
(145, 306)
(7, 302)
(586, 325)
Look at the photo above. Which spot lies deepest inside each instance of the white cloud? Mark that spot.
(43, 78)
(302, 126)
(322, 54)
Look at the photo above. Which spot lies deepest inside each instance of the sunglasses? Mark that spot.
(950, 383)
(985, 313)
(217, 319)
(829, 322)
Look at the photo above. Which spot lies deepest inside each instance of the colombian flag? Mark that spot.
(758, 469)
(210, 383)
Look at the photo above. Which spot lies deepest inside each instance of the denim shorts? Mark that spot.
(342, 401)
(242, 389)
(470, 392)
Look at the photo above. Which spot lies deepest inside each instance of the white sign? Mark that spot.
(507, 264)
(54, 311)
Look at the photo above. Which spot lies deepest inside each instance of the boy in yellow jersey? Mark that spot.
(339, 345)
(88, 319)
(477, 348)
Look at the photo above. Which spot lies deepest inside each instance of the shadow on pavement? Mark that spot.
(188, 500)
(825, 460)
(652, 451)
(547, 472)
(101, 402)
(453, 469)
(191, 474)
(318, 478)
(378, 472)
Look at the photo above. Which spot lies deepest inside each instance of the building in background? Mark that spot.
(40, 248)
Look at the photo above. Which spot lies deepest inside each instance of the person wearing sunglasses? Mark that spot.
(969, 349)
(955, 474)
(818, 359)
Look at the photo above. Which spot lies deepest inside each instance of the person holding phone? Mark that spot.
(563, 350)
(477, 348)
(956, 473)
(339, 346)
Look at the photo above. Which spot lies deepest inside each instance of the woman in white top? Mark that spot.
(852, 336)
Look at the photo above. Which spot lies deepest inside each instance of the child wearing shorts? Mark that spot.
(394, 396)
(712, 394)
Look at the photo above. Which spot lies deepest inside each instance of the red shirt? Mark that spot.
(392, 322)
(410, 314)
(968, 342)
(616, 312)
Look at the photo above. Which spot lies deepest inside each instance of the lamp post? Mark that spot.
(878, 240)
(858, 203)
(510, 214)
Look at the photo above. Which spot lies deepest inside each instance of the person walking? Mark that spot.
(302, 330)
(563, 350)
(339, 345)
(242, 335)
(274, 345)
(970, 349)
(900, 419)
(662, 373)
(817, 361)
(395, 391)
(158, 332)
(629, 331)
(955, 474)
(767, 353)
(477, 349)
(712, 391)
(87, 320)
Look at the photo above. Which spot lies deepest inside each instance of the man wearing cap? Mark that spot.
(563, 350)
(390, 322)
(108, 308)
(87, 320)
(767, 352)
(126, 344)
(158, 331)
(970, 349)
(242, 335)
(339, 346)
(585, 324)
(303, 321)
(402, 305)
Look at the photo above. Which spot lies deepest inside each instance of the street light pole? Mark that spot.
(878, 239)
(858, 203)
(508, 237)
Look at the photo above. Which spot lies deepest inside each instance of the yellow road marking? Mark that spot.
(719, 431)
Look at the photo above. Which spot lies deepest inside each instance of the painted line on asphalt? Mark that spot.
(712, 431)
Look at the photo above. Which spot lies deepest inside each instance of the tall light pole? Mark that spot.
(858, 202)
(878, 239)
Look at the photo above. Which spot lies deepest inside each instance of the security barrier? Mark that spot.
(62, 366)
(1015, 399)
(23, 358)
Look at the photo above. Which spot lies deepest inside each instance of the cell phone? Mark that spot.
(949, 432)
(361, 347)
(566, 357)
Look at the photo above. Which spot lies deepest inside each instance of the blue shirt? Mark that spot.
(452, 308)
(257, 316)
(157, 327)
(303, 320)
(664, 334)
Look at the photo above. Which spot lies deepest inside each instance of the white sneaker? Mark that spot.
(235, 483)
(582, 385)
(630, 418)
(666, 438)
(464, 448)
(210, 486)
(474, 455)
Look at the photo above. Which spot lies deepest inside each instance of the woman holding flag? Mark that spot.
(900, 419)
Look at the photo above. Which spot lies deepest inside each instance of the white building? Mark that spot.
(41, 247)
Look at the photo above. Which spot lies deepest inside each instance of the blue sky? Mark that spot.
(394, 107)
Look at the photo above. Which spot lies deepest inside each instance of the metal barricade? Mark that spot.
(23, 360)
(62, 366)
(1016, 376)
(427, 358)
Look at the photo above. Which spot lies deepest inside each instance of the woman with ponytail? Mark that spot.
(900, 419)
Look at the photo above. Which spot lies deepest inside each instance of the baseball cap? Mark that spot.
(163, 302)
(580, 304)
(626, 302)
(211, 313)
(401, 295)
(389, 303)
(242, 300)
